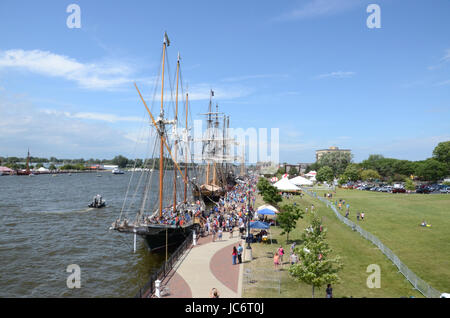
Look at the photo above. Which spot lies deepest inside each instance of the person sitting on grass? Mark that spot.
(424, 224)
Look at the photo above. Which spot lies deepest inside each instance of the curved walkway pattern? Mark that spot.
(205, 266)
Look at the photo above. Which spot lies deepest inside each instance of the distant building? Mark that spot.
(321, 152)
(110, 167)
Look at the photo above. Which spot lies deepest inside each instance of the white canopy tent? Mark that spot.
(299, 181)
(285, 185)
(268, 206)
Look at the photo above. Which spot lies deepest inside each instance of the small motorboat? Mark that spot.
(97, 202)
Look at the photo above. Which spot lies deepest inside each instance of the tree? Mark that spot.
(442, 152)
(325, 174)
(269, 192)
(271, 195)
(409, 184)
(262, 184)
(288, 217)
(337, 161)
(52, 167)
(312, 167)
(120, 160)
(431, 170)
(351, 173)
(316, 266)
(293, 171)
(370, 174)
(281, 170)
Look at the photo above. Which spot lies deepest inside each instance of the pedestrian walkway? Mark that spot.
(205, 266)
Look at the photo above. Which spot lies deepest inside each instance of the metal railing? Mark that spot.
(149, 288)
(418, 283)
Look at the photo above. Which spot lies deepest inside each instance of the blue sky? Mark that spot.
(311, 68)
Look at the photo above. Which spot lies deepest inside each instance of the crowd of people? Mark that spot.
(235, 209)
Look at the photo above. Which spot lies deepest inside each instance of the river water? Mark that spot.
(45, 226)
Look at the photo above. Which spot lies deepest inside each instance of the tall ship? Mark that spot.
(164, 216)
(27, 171)
(217, 164)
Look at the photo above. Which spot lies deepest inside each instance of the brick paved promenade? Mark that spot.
(205, 266)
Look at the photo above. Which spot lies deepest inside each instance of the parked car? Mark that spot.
(445, 190)
(423, 190)
(398, 190)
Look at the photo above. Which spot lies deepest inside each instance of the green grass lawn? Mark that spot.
(395, 219)
(356, 253)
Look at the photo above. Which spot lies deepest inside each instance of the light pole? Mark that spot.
(248, 253)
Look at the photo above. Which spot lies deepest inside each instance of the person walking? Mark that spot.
(329, 291)
(281, 253)
(276, 260)
(240, 249)
(234, 255)
(294, 259)
(362, 216)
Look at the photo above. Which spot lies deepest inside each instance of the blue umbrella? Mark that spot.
(259, 225)
(266, 211)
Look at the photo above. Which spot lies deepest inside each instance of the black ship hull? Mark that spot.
(155, 237)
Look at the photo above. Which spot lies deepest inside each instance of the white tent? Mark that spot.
(268, 206)
(299, 181)
(285, 185)
(42, 169)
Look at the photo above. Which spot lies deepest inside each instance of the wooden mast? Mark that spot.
(176, 142)
(186, 151)
(208, 134)
(161, 133)
(28, 161)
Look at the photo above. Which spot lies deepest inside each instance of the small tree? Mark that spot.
(271, 195)
(316, 267)
(293, 171)
(370, 174)
(409, 184)
(288, 217)
(325, 174)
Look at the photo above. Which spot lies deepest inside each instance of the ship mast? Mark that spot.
(161, 131)
(186, 151)
(176, 141)
(28, 161)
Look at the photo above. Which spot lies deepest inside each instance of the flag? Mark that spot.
(212, 93)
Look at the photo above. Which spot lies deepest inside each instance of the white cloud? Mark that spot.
(317, 8)
(447, 82)
(339, 74)
(98, 75)
(111, 118)
(446, 57)
(58, 134)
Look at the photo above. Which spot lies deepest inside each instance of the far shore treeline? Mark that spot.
(53, 163)
(340, 166)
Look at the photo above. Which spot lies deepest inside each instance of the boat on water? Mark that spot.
(27, 171)
(117, 171)
(97, 202)
(167, 220)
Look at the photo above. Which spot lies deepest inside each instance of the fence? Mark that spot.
(149, 288)
(416, 281)
(263, 279)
